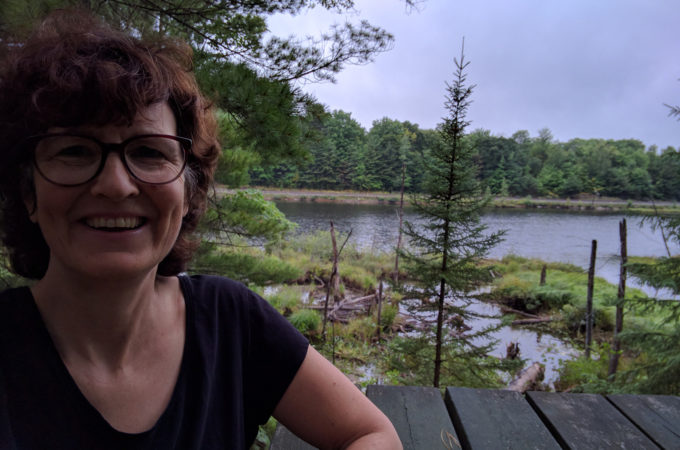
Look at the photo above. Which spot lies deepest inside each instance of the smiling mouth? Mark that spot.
(115, 223)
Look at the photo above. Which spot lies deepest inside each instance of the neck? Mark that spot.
(102, 321)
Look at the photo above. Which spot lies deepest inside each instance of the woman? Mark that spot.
(108, 151)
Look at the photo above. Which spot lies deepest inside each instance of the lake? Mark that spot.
(553, 236)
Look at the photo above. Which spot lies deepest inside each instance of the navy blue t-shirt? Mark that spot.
(239, 357)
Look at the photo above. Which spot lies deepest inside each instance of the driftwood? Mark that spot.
(527, 378)
(344, 309)
(507, 309)
(532, 321)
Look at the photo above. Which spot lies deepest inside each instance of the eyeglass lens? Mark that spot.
(71, 160)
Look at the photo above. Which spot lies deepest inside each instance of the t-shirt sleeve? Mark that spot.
(275, 352)
(249, 350)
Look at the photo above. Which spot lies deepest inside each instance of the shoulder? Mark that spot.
(211, 285)
(214, 290)
(216, 297)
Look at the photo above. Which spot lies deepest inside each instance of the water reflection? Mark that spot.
(553, 236)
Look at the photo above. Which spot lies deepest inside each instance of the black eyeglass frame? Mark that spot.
(109, 147)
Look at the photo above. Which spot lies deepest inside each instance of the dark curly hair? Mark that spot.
(76, 70)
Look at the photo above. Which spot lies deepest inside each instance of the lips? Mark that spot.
(114, 223)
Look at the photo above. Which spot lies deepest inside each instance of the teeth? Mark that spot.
(111, 222)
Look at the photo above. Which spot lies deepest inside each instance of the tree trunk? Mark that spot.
(543, 270)
(531, 321)
(616, 345)
(335, 276)
(589, 301)
(330, 287)
(527, 378)
(380, 297)
(438, 338)
(401, 223)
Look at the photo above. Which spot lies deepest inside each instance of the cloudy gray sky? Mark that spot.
(581, 68)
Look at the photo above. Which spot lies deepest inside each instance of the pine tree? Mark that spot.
(446, 252)
(659, 371)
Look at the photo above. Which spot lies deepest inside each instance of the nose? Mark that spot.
(114, 181)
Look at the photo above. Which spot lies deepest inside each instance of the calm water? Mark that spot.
(548, 235)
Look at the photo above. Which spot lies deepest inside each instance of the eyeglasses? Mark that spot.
(71, 159)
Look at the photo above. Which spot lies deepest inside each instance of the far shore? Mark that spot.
(584, 202)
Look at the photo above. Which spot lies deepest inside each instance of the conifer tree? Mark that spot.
(446, 251)
(659, 371)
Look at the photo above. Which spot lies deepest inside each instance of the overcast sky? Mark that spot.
(581, 68)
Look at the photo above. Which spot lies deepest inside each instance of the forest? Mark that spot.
(344, 156)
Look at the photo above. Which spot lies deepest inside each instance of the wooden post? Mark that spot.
(401, 223)
(543, 270)
(331, 282)
(334, 281)
(335, 278)
(616, 345)
(589, 302)
(380, 295)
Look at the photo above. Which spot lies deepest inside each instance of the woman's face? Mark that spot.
(113, 226)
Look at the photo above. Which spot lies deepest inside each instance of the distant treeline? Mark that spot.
(343, 156)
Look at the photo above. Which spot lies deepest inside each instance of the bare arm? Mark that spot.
(324, 408)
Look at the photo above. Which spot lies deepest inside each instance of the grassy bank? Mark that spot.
(584, 203)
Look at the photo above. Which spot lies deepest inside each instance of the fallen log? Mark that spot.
(527, 378)
(532, 321)
(507, 309)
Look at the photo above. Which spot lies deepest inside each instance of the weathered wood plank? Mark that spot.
(657, 415)
(418, 414)
(587, 421)
(487, 418)
(285, 440)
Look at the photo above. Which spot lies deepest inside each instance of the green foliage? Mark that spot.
(236, 263)
(445, 252)
(286, 299)
(235, 31)
(387, 315)
(362, 328)
(245, 214)
(587, 375)
(530, 166)
(657, 368)
(411, 360)
(307, 321)
(7, 278)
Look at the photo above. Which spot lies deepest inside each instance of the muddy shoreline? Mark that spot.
(584, 203)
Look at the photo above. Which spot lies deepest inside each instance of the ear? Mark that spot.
(28, 196)
(31, 209)
(187, 203)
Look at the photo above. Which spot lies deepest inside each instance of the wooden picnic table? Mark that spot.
(498, 419)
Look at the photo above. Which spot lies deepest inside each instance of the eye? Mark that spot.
(146, 152)
(75, 151)
(67, 150)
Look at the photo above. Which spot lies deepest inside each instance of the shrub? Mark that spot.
(387, 315)
(551, 297)
(585, 374)
(361, 328)
(307, 321)
(286, 300)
